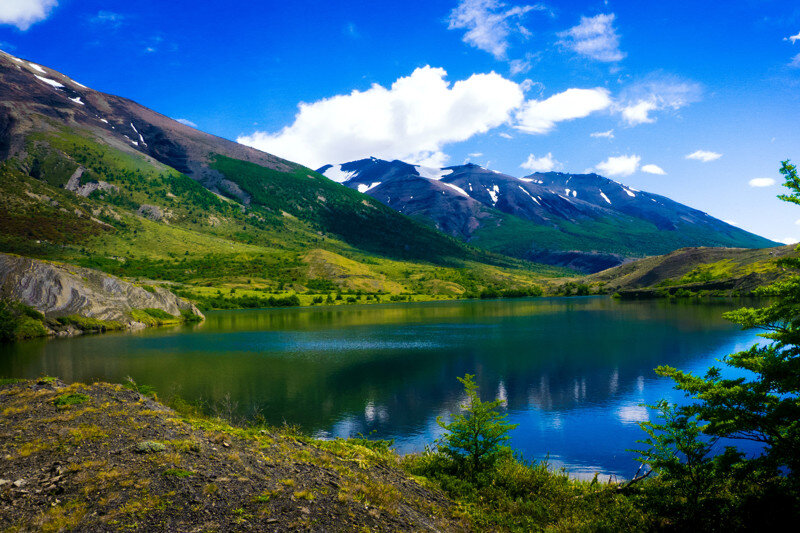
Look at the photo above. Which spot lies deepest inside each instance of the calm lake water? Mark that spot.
(573, 371)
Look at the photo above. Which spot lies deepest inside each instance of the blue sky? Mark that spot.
(625, 90)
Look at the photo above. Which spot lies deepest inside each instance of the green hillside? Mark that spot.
(298, 234)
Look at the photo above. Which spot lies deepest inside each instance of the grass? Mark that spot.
(178, 472)
(89, 324)
(345, 243)
(68, 400)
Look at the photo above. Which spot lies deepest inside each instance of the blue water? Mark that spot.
(573, 371)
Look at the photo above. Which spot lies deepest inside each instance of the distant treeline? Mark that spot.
(242, 302)
(493, 294)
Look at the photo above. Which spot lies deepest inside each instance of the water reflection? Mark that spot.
(572, 371)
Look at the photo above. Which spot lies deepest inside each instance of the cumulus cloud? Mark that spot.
(595, 37)
(505, 135)
(655, 93)
(541, 116)
(411, 120)
(489, 24)
(794, 38)
(603, 134)
(762, 182)
(787, 240)
(623, 165)
(653, 169)
(24, 13)
(186, 122)
(545, 163)
(704, 156)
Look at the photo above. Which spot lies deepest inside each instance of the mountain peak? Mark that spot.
(543, 215)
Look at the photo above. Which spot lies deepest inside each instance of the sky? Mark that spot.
(698, 101)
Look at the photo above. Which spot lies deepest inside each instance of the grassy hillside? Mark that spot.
(294, 233)
(692, 271)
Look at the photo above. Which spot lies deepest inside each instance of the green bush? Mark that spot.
(19, 321)
(474, 438)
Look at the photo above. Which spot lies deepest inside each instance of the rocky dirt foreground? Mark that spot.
(103, 457)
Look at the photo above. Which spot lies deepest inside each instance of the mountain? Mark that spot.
(583, 221)
(100, 181)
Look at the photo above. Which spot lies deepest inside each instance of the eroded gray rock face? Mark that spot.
(59, 290)
(153, 212)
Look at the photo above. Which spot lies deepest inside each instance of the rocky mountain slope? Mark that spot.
(100, 181)
(584, 221)
(58, 290)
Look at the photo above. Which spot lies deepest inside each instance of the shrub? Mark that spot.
(19, 321)
(474, 438)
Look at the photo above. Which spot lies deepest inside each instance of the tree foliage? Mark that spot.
(760, 404)
(474, 437)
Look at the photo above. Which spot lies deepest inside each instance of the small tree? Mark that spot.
(474, 437)
(681, 454)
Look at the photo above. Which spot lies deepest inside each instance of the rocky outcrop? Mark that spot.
(61, 290)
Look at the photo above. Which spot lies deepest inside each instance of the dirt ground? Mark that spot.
(102, 457)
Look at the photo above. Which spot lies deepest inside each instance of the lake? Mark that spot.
(573, 371)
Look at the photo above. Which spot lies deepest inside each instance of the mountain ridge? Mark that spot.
(559, 218)
(99, 181)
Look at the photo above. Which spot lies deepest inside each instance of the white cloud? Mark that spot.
(603, 134)
(505, 135)
(24, 13)
(797, 222)
(595, 37)
(623, 165)
(655, 93)
(541, 116)
(108, 18)
(489, 24)
(545, 163)
(519, 66)
(412, 120)
(761, 182)
(639, 113)
(795, 62)
(794, 38)
(476, 154)
(704, 156)
(653, 169)
(787, 240)
(186, 122)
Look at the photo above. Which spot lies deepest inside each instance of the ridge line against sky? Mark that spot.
(663, 97)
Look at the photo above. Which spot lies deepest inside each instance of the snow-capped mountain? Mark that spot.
(583, 220)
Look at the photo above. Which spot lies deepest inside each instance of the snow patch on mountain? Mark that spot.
(52, 83)
(493, 192)
(529, 194)
(37, 68)
(456, 188)
(363, 187)
(335, 173)
(605, 197)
